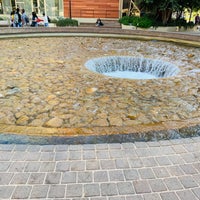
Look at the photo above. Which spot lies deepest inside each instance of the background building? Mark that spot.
(92, 8)
(51, 7)
(78, 9)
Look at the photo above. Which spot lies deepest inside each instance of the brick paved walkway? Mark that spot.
(164, 170)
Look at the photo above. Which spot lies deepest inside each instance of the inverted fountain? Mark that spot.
(131, 67)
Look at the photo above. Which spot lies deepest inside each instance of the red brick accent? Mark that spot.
(92, 9)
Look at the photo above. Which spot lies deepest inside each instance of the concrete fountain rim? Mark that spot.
(148, 132)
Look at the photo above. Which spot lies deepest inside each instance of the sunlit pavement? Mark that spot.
(160, 170)
(166, 170)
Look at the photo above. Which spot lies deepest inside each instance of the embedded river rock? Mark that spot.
(44, 83)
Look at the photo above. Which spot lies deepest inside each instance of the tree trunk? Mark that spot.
(166, 15)
(190, 15)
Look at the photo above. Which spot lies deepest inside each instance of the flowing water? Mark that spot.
(131, 67)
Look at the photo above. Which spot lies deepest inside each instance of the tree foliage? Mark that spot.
(162, 9)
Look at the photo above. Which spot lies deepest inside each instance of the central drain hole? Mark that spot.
(131, 67)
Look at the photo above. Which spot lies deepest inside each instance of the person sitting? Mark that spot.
(197, 20)
(34, 19)
(45, 19)
(99, 22)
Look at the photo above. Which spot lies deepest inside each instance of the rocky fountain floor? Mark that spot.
(44, 83)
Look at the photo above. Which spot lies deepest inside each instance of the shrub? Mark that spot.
(126, 20)
(66, 22)
(142, 22)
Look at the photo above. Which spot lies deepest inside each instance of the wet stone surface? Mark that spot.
(44, 83)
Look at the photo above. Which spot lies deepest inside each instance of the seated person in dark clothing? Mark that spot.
(99, 22)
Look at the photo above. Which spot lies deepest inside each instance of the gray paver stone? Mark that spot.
(36, 178)
(131, 174)
(141, 187)
(5, 156)
(108, 189)
(186, 195)
(92, 165)
(62, 166)
(116, 154)
(125, 188)
(61, 156)
(163, 161)
(98, 198)
(169, 196)
(47, 156)
(6, 192)
(146, 173)
(103, 154)
(107, 164)
(91, 190)
(48, 148)
(157, 185)
(89, 155)
(117, 198)
(53, 178)
(188, 182)
(75, 155)
(161, 172)
(173, 183)
(39, 191)
(100, 176)
(63, 147)
(175, 171)
(85, 177)
(20, 178)
(56, 191)
(32, 167)
(33, 148)
(149, 162)
(4, 166)
(69, 177)
(122, 163)
(136, 163)
(47, 167)
(21, 192)
(6, 147)
(152, 196)
(17, 167)
(77, 165)
(74, 190)
(5, 178)
(188, 169)
(134, 197)
(196, 191)
(116, 175)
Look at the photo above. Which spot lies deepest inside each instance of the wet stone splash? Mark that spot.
(46, 85)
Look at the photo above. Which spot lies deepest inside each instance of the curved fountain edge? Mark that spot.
(149, 132)
(176, 37)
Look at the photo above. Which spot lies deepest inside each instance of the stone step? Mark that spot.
(107, 24)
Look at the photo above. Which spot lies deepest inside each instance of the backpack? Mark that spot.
(26, 19)
(16, 18)
(49, 20)
(19, 18)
